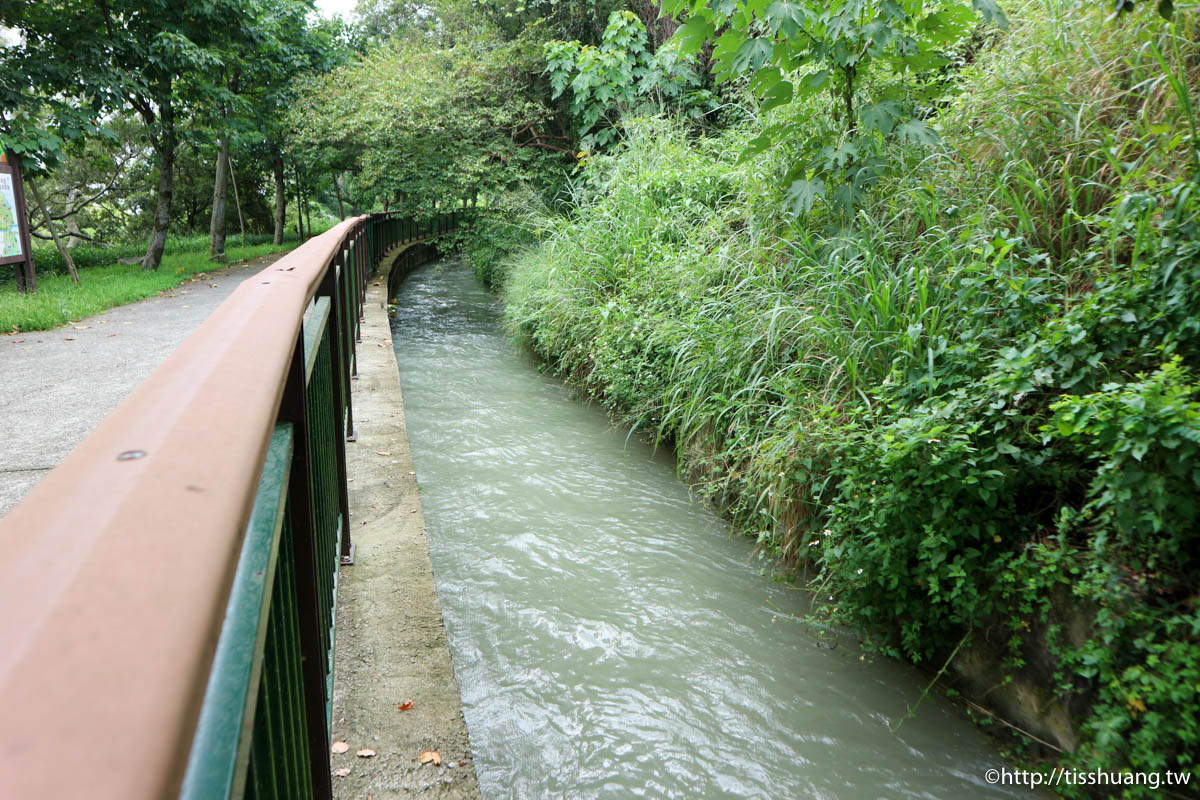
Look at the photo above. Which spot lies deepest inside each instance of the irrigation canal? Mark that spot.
(610, 638)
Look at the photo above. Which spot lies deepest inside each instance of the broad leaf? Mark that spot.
(752, 54)
(917, 132)
(693, 35)
(881, 117)
(992, 13)
(777, 95)
(786, 18)
(803, 193)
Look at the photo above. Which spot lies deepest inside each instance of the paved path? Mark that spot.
(391, 644)
(56, 386)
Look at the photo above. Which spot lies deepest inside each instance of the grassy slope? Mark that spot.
(59, 301)
(980, 397)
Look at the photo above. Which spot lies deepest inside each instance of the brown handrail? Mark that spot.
(117, 567)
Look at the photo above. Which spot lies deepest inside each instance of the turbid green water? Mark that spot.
(610, 638)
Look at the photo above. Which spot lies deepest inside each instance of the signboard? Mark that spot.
(14, 228)
(11, 245)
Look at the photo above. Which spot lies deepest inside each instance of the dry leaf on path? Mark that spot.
(406, 705)
(343, 772)
(339, 748)
(383, 452)
(365, 753)
(82, 327)
(431, 755)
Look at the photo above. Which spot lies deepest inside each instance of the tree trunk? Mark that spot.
(280, 193)
(307, 215)
(237, 203)
(299, 206)
(73, 230)
(337, 191)
(166, 188)
(216, 226)
(45, 212)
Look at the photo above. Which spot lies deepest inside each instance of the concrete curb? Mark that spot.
(391, 643)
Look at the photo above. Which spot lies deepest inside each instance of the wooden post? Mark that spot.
(17, 249)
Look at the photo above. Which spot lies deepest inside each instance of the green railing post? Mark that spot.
(341, 404)
(303, 523)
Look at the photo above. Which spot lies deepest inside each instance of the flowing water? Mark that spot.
(610, 638)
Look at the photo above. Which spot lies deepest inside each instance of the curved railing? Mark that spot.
(170, 587)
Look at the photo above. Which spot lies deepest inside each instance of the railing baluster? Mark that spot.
(301, 512)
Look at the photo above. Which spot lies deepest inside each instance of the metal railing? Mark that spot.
(171, 586)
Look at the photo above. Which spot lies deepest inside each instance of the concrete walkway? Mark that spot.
(394, 690)
(56, 386)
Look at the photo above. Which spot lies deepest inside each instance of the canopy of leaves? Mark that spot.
(622, 75)
(426, 123)
(864, 53)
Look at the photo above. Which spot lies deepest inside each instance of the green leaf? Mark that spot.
(813, 82)
(693, 35)
(786, 18)
(777, 95)
(881, 117)
(756, 146)
(803, 193)
(917, 132)
(671, 8)
(991, 12)
(752, 54)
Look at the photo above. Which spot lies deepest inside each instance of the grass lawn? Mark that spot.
(58, 300)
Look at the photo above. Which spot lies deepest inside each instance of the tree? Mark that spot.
(795, 48)
(155, 57)
(419, 123)
(623, 75)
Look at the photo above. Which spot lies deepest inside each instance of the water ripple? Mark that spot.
(609, 637)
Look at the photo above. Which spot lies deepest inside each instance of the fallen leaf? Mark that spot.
(339, 748)
(383, 452)
(412, 511)
(366, 752)
(82, 327)
(406, 705)
(343, 772)
(17, 341)
(462, 762)
(431, 755)
(68, 338)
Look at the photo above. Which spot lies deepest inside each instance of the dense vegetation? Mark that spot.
(964, 400)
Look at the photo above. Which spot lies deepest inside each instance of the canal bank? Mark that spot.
(610, 636)
(391, 645)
